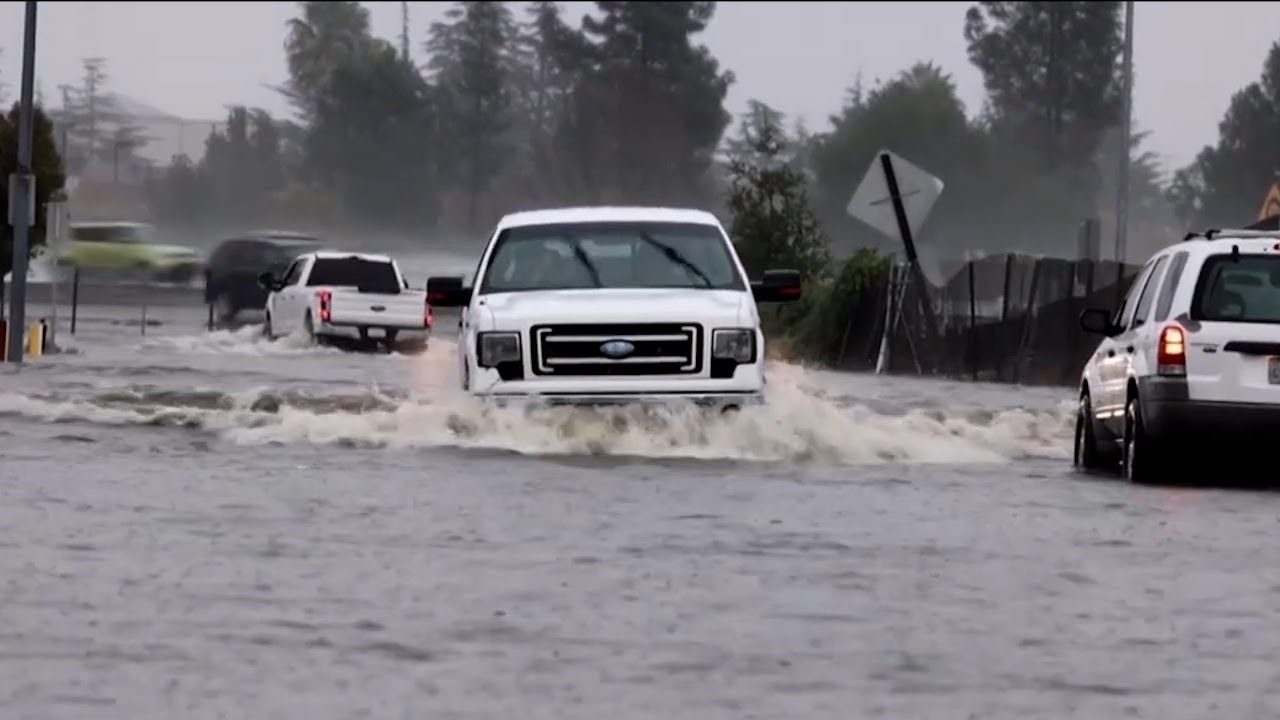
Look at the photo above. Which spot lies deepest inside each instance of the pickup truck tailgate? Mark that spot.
(404, 310)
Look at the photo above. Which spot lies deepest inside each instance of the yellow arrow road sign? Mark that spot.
(1271, 206)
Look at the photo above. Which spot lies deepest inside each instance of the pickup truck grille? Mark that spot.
(639, 349)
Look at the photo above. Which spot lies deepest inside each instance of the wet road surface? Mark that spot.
(208, 525)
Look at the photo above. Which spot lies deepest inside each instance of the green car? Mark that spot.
(128, 250)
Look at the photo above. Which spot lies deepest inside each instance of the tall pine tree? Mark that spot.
(472, 64)
(660, 98)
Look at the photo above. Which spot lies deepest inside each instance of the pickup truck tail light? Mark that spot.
(326, 305)
(1171, 351)
(427, 316)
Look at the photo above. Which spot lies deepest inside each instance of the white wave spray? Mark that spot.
(797, 423)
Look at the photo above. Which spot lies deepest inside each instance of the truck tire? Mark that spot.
(309, 327)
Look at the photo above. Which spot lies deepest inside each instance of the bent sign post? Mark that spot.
(895, 197)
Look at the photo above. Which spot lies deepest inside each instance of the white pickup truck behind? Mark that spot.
(351, 296)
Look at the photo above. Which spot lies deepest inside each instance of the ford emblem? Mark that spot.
(377, 308)
(617, 349)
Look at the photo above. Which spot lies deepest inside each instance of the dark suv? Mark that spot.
(231, 276)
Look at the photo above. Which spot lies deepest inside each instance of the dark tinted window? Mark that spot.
(1174, 276)
(1149, 292)
(128, 234)
(367, 275)
(224, 254)
(1125, 313)
(294, 274)
(281, 254)
(611, 255)
(241, 255)
(1246, 289)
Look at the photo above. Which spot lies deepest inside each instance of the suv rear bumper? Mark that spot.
(358, 331)
(1169, 412)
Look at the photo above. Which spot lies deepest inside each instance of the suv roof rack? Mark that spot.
(1214, 233)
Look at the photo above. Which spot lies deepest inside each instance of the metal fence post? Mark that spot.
(973, 323)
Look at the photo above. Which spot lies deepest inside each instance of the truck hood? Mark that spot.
(521, 309)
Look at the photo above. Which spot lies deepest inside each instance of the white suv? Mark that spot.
(610, 305)
(1191, 359)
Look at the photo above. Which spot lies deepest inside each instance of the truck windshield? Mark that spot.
(1244, 290)
(369, 276)
(611, 255)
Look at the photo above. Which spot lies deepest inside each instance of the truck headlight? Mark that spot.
(493, 348)
(736, 344)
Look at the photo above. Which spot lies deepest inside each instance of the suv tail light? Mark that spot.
(1171, 351)
(427, 315)
(326, 310)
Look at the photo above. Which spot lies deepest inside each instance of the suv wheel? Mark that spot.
(1087, 454)
(224, 312)
(1141, 461)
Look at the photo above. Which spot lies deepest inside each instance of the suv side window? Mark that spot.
(226, 254)
(251, 255)
(1165, 303)
(1148, 293)
(1125, 314)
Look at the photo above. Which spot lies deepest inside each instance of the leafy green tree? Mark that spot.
(553, 59)
(773, 225)
(473, 65)
(95, 126)
(181, 194)
(325, 35)
(659, 100)
(372, 142)
(237, 179)
(49, 177)
(918, 115)
(1225, 184)
(1051, 72)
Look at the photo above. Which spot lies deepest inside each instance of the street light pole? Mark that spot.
(22, 191)
(1126, 128)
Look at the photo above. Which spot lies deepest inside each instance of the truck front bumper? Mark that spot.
(715, 400)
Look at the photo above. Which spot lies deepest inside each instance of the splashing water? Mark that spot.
(247, 340)
(797, 422)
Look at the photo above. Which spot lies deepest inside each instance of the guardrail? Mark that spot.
(70, 293)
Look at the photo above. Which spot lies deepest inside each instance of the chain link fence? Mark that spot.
(1010, 318)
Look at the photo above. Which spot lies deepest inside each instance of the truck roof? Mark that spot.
(569, 215)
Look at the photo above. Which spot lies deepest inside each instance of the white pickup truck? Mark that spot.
(351, 296)
(611, 306)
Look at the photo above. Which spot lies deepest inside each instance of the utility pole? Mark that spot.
(404, 30)
(1126, 118)
(22, 191)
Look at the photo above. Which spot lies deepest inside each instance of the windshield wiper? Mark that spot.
(674, 256)
(581, 255)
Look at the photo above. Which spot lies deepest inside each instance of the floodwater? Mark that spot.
(208, 525)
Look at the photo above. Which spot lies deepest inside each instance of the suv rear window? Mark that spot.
(367, 275)
(1246, 289)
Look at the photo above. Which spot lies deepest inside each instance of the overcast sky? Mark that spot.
(194, 58)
